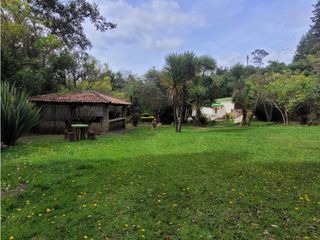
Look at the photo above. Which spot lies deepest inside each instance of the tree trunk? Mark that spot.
(197, 118)
(186, 114)
(180, 118)
(175, 115)
(268, 114)
(244, 117)
(286, 116)
(281, 112)
(250, 117)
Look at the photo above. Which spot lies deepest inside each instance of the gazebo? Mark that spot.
(58, 110)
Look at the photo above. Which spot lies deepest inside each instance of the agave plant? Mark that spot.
(18, 115)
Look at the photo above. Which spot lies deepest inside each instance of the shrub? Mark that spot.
(203, 120)
(146, 117)
(211, 123)
(18, 115)
(135, 119)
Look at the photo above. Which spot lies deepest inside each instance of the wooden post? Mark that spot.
(124, 113)
(105, 120)
(54, 118)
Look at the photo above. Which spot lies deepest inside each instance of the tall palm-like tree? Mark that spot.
(240, 93)
(198, 97)
(206, 65)
(179, 69)
(173, 81)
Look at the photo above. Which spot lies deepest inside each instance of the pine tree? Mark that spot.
(315, 28)
(310, 42)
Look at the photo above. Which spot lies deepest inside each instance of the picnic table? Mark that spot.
(80, 130)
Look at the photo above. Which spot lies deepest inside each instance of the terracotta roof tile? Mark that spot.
(78, 97)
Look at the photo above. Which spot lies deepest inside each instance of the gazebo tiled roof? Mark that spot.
(78, 97)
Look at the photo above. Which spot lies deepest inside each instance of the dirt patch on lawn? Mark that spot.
(18, 189)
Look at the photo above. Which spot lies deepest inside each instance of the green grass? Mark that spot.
(223, 182)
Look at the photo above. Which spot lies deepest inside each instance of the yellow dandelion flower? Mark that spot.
(48, 210)
(85, 237)
(94, 204)
(84, 205)
(52, 222)
(39, 214)
(143, 230)
(126, 225)
(19, 209)
(233, 189)
(11, 237)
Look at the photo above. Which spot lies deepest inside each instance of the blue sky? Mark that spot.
(227, 30)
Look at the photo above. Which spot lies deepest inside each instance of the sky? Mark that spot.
(227, 30)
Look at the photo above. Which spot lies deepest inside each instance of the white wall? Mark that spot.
(210, 113)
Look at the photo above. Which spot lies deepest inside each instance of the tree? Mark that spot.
(310, 42)
(224, 83)
(258, 56)
(38, 39)
(65, 19)
(304, 47)
(179, 69)
(315, 28)
(18, 115)
(198, 97)
(206, 65)
(82, 68)
(241, 92)
(154, 76)
(288, 91)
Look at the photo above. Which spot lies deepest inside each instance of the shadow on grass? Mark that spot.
(170, 196)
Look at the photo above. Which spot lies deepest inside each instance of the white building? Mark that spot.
(217, 110)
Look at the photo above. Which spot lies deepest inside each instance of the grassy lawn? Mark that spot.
(223, 182)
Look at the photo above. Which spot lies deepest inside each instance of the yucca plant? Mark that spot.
(198, 97)
(18, 115)
(179, 69)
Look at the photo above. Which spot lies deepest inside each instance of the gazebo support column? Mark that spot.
(124, 113)
(105, 121)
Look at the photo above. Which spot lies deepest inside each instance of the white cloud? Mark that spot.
(151, 25)
(225, 29)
